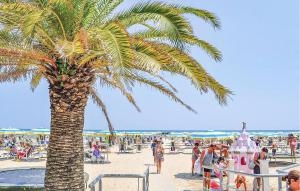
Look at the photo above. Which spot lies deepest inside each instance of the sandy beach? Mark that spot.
(176, 171)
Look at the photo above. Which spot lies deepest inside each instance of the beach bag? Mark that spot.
(197, 166)
(243, 161)
(251, 164)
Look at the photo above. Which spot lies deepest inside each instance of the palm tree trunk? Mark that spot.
(65, 162)
(65, 165)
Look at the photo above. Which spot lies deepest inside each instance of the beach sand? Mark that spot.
(175, 176)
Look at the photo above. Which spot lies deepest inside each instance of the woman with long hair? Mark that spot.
(259, 156)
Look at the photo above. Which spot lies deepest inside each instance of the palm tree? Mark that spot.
(75, 44)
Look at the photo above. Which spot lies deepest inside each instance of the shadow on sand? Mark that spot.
(280, 163)
(91, 162)
(188, 176)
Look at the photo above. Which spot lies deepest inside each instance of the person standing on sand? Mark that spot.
(153, 147)
(293, 145)
(259, 156)
(159, 156)
(195, 156)
(274, 148)
(206, 159)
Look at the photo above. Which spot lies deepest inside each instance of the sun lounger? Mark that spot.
(89, 157)
(284, 156)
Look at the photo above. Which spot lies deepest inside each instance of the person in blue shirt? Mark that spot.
(153, 147)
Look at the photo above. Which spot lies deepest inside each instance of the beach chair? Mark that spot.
(98, 157)
(26, 155)
(130, 148)
(13, 153)
(87, 156)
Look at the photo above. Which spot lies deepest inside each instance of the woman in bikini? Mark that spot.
(293, 145)
(159, 156)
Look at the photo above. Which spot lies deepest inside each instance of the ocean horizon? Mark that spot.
(173, 133)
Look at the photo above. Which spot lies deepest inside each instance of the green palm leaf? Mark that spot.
(99, 102)
(159, 87)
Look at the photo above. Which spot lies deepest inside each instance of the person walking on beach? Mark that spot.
(153, 147)
(159, 156)
(274, 148)
(206, 159)
(293, 145)
(293, 180)
(259, 156)
(195, 156)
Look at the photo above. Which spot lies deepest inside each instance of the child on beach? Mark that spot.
(221, 163)
(239, 181)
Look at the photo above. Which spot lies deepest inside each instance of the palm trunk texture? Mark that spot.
(65, 161)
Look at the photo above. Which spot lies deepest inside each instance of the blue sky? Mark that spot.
(260, 45)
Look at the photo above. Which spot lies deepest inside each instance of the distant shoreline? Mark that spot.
(167, 130)
(194, 134)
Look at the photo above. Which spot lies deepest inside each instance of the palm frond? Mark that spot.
(179, 62)
(167, 82)
(204, 14)
(115, 83)
(35, 80)
(13, 74)
(106, 7)
(160, 88)
(184, 38)
(26, 55)
(163, 15)
(116, 43)
(208, 48)
(189, 67)
(99, 102)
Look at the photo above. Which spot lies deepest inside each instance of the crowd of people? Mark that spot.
(18, 147)
(209, 161)
(215, 157)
